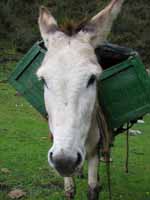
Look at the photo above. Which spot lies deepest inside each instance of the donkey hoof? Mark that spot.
(93, 193)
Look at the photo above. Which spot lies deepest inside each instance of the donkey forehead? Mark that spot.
(61, 45)
(69, 55)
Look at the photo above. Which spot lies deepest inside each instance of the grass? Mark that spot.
(24, 144)
(23, 151)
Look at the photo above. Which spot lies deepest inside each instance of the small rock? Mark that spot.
(134, 132)
(5, 170)
(44, 138)
(140, 121)
(16, 194)
(17, 94)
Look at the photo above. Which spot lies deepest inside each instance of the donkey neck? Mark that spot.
(93, 135)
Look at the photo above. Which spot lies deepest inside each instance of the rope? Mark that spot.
(108, 175)
(106, 136)
(105, 132)
(127, 150)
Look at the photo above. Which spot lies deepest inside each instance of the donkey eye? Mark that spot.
(91, 80)
(44, 82)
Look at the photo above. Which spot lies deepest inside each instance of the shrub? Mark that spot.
(18, 21)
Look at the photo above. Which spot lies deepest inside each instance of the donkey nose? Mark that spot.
(65, 164)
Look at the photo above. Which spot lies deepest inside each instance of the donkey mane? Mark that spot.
(70, 27)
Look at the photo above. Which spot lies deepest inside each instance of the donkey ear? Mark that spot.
(47, 24)
(100, 25)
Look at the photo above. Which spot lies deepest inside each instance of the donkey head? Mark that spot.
(70, 72)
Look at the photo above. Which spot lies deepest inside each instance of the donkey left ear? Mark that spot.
(47, 24)
(100, 25)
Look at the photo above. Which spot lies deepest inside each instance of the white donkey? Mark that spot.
(70, 71)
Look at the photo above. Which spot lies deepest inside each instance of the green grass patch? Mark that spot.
(24, 145)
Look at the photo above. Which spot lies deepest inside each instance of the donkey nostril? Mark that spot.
(79, 159)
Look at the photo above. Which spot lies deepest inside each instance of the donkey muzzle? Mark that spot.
(64, 163)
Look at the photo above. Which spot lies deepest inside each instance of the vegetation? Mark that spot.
(24, 133)
(24, 145)
(18, 21)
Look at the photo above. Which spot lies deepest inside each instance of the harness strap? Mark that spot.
(105, 132)
(105, 141)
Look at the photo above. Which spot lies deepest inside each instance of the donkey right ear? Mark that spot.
(98, 28)
(47, 24)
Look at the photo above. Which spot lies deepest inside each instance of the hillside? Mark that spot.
(19, 29)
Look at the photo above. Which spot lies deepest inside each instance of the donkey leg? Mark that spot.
(93, 178)
(69, 188)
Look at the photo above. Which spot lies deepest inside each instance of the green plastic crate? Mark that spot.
(123, 88)
(124, 92)
(24, 78)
